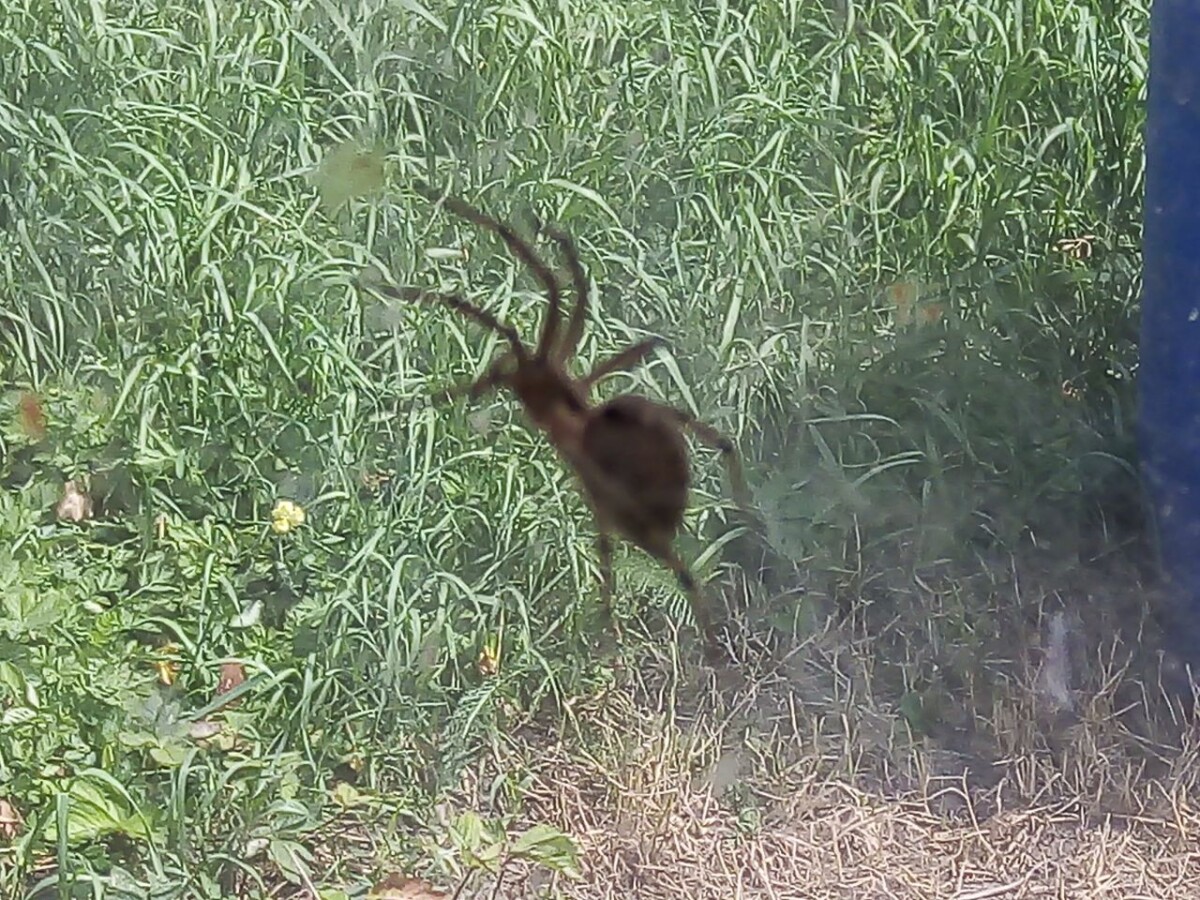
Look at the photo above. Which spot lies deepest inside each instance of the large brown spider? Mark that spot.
(629, 453)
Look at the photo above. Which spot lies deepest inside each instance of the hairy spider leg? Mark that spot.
(459, 304)
(699, 599)
(710, 436)
(476, 388)
(520, 248)
(618, 362)
(578, 319)
(604, 553)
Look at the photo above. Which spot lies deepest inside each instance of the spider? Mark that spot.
(629, 453)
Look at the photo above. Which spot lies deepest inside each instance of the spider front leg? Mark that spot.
(473, 389)
(619, 362)
(496, 373)
(456, 302)
(566, 347)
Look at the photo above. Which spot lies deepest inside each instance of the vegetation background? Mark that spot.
(894, 249)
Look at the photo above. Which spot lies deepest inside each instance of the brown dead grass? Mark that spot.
(1056, 756)
(650, 829)
(1073, 775)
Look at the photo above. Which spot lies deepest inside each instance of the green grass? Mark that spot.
(745, 180)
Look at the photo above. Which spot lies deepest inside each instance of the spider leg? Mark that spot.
(698, 599)
(604, 551)
(519, 248)
(580, 284)
(626, 359)
(706, 434)
(472, 389)
(460, 305)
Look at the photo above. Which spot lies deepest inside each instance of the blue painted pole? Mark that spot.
(1169, 358)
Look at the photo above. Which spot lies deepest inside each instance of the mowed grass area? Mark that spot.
(894, 251)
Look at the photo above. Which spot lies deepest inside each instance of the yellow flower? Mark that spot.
(167, 665)
(488, 661)
(286, 516)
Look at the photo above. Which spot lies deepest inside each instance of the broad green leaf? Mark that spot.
(549, 847)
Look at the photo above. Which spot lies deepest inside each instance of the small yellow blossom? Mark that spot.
(488, 661)
(286, 516)
(167, 665)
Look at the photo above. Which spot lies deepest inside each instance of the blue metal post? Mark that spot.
(1169, 364)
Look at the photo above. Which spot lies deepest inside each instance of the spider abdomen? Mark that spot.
(634, 465)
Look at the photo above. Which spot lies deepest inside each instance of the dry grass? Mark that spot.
(799, 776)
(830, 840)
(1078, 780)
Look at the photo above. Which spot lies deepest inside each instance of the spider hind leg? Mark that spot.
(711, 630)
(604, 552)
(730, 457)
